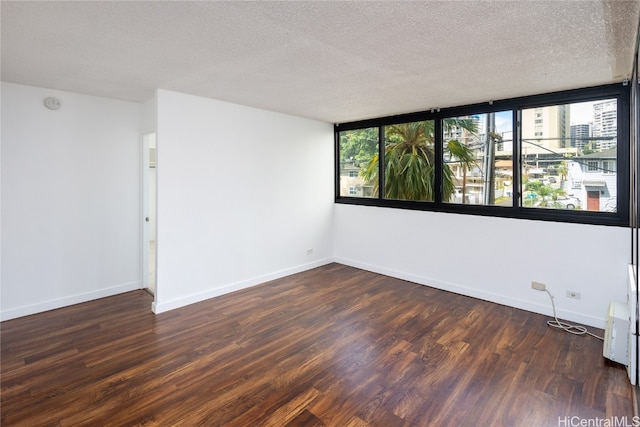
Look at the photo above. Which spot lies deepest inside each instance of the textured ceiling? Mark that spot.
(331, 61)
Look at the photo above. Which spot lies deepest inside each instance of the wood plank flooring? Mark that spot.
(334, 346)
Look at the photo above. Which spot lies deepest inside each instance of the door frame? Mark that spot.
(146, 211)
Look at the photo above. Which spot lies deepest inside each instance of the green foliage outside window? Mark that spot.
(409, 160)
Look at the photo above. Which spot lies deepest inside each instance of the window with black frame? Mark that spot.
(568, 156)
(358, 152)
(565, 159)
(408, 161)
(477, 159)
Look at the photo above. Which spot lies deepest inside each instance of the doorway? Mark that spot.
(149, 193)
(593, 200)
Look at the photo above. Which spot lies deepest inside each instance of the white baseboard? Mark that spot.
(53, 304)
(161, 307)
(480, 294)
(190, 299)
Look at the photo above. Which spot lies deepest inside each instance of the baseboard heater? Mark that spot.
(620, 334)
(616, 333)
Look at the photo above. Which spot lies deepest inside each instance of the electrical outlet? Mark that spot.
(572, 294)
(309, 251)
(538, 286)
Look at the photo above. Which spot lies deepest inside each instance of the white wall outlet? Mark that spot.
(572, 294)
(310, 251)
(538, 286)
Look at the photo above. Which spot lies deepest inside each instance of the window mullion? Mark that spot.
(381, 163)
(438, 160)
(517, 159)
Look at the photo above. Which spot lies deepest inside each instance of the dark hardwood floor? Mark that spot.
(334, 346)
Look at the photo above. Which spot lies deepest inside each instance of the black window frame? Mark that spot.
(619, 91)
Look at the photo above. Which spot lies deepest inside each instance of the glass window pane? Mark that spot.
(478, 159)
(359, 163)
(569, 158)
(409, 168)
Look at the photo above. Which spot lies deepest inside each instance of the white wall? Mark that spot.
(243, 194)
(149, 116)
(70, 199)
(491, 258)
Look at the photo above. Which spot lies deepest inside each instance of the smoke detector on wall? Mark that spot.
(52, 103)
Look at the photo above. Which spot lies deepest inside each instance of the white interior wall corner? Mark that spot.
(70, 199)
